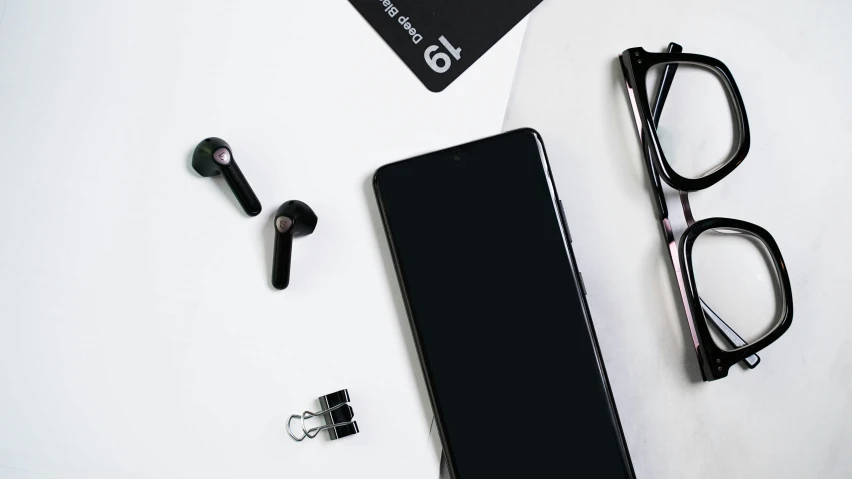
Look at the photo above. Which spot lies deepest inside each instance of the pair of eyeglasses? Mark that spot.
(715, 358)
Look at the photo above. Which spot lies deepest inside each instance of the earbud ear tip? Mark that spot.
(310, 223)
(301, 214)
(202, 156)
(307, 219)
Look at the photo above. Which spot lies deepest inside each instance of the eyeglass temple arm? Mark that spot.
(665, 83)
(734, 339)
(662, 92)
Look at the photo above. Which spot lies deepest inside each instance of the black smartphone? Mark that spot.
(498, 311)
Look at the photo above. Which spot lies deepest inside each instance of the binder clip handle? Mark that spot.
(312, 432)
(336, 408)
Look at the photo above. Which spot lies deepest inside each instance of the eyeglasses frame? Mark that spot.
(714, 361)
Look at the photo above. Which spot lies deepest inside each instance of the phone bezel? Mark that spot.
(458, 153)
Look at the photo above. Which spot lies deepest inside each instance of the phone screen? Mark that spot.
(498, 312)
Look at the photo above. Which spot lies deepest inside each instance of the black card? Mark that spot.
(440, 39)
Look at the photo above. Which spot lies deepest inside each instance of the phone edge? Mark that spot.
(575, 271)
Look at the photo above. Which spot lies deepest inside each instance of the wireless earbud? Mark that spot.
(212, 157)
(292, 219)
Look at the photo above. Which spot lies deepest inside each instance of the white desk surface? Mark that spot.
(792, 416)
(139, 333)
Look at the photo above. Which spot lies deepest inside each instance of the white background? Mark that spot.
(139, 334)
(792, 416)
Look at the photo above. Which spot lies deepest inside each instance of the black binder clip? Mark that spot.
(337, 414)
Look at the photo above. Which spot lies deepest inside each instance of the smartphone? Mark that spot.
(498, 311)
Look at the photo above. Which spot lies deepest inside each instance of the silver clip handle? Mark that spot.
(312, 432)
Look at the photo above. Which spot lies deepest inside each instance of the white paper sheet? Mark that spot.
(792, 416)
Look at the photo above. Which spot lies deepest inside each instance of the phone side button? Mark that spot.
(583, 285)
(565, 221)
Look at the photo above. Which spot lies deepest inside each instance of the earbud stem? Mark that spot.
(281, 260)
(239, 185)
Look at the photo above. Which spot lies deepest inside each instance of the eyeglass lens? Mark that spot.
(697, 128)
(737, 279)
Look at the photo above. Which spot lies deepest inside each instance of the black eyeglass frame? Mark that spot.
(714, 361)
